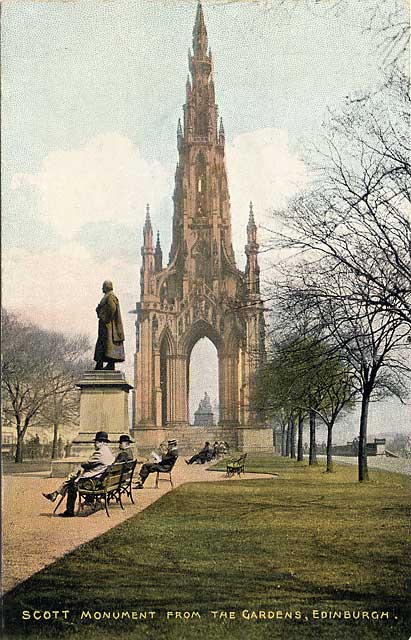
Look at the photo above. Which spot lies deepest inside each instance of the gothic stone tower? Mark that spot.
(201, 293)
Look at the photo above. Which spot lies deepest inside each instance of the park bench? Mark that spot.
(112, 485)
(169, 475)
(236, 466)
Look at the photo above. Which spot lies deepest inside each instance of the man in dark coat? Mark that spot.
(126, 453)
(110, 341)
(166, 463)
(202, 456)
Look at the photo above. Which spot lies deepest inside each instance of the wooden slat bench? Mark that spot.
(115, 483)
(236, 466)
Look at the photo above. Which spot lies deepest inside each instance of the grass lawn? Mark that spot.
(308, 541)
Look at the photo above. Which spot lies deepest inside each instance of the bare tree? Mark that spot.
(352, 230)
(356, 216)
(63, 402)
(35, 370)
(387, 20)
(335, 393)
(373, 344)
(23, 374)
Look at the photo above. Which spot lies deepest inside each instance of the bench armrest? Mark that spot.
(90, 484)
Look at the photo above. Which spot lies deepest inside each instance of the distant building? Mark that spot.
(8, 441)
(204, 416)
(376, 448)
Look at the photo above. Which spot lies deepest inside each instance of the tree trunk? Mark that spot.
(19, 447)
(362, 443)
(300, 454)
(283, 440)
(329, 448)
(288, 440)
(54, 448)
(312, 459)
(292, 438)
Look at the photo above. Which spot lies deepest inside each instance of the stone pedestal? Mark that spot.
(103, 407)
(255, 438)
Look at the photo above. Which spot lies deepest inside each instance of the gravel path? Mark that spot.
(33, 537)
(395, 465)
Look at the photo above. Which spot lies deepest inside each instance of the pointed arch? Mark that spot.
(167, 341)
(199, 329)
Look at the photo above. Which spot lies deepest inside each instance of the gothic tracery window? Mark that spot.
(201, 184)
(202, 124)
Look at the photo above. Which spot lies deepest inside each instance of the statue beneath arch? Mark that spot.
(204, 416)
(201, 292)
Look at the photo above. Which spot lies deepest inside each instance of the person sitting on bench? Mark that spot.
(166, 463)
(125, 452)
(95, 466)
(202, 456)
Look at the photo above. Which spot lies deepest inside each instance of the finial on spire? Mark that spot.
(158, 255)
(148, 221)
(251, 216)
(200, 33)
(251, 226)
(179, 128)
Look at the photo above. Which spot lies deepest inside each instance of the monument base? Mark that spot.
(103, 407)
(255, 438)
(252, 438)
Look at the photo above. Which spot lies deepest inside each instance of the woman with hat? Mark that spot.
(100, 459)
(168, 459)
(126, 453)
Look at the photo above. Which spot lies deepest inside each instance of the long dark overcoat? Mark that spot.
(110, 341)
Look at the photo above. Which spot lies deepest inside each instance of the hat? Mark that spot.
(126, 438)
(172, 443)
(101, 436)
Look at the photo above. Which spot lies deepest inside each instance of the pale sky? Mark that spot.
(92, 91)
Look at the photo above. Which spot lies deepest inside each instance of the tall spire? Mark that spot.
(200, 34)
(158, 255)
(197, 199)
(200, 110)
(148, 230)
(252, 270)
(251, 229)
(179, 128)
(147, 252)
